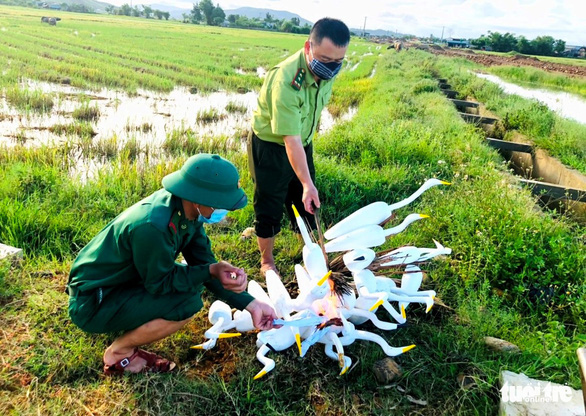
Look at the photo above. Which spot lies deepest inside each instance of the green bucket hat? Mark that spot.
(208, 180)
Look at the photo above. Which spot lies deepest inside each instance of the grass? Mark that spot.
(234, 107)
(27, 100)
(86, 113)
(537, 78)
(562, 138)
(515, 272)
(211, 115)
(73, 129)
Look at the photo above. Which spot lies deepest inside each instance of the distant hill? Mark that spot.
(377, 32)
(96, 6)
(174, 12)
(252, 12)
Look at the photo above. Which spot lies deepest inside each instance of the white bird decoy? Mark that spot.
(220, 315)
(309, 290)
(376, 213)
(352, 336)
(358, 259)
(383, 290)
(369, 235)
(313, 256)
(343, 360)
(410, 254)
(276, 339)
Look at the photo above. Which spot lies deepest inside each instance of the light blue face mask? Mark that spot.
(217, 216)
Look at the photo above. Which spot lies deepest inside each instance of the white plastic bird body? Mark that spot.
(314, 261)
(282, 300)
(257, 292)
(369, 299)
(375, 290)
(220, 315)
(279, 339)
(358, 259)
(368, 236)
(309, 289)
(409, 254)
(352, 336)
(343, 360)
(376, 213)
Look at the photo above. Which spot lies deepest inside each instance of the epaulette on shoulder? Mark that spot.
(298, 79)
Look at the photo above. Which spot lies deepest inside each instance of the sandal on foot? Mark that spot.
(154, 363)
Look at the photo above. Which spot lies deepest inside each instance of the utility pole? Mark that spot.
(364, 28)
(443, 27)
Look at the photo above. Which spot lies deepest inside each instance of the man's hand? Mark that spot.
(298, 160)
(232, 278)
(262, 314)
(310, 198)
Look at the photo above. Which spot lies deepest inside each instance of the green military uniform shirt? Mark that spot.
(290, 102)
(139, 247)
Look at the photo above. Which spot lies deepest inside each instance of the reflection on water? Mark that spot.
(563, 103)
(327, 121)
(147, 117)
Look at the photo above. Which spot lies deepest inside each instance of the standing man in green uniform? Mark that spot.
(127, 279)
(280, 151)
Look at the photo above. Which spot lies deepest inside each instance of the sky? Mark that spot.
(562, 19)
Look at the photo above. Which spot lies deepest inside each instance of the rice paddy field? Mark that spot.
(516, 272)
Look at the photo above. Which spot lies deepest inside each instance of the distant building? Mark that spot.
(55, 6)
(457, 43)
(575, 51)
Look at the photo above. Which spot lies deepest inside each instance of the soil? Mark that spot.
(514, 60)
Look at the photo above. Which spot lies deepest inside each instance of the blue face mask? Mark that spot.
(324, 70)
(217, 216)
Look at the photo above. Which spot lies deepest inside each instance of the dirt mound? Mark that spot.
(515, 60)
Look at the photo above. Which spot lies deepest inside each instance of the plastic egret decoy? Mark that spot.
(313, 256)
(220, 315)
(376, 213)
(369, 235)
(279, 339)
(410, 254)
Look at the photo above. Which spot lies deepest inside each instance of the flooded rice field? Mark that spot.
(565, 104)
(147, 118)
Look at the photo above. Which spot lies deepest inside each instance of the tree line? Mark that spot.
(205, 11)
(541, 45)
(146, 12)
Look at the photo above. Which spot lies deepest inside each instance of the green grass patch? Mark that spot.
(29, 100)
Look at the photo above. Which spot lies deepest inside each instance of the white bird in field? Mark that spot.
(369, 235)
(376, 213)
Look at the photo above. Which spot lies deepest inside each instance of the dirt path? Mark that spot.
(515, 60)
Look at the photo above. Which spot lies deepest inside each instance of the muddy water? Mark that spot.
(563, 103)
(147, 117)
(327, 121)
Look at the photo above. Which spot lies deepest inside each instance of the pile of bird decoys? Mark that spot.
(329, 305)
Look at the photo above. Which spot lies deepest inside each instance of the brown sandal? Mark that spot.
(154, 363)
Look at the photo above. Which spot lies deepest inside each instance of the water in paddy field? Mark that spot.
(147, 116)
(565, 104)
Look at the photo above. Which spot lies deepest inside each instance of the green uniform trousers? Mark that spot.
(276, 185)
(106, 310)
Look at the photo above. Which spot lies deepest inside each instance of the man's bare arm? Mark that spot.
(298, 161)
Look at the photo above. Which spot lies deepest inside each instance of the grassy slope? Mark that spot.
(403, 133)
(565, 139)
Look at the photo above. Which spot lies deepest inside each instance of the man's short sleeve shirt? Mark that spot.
(290, 102)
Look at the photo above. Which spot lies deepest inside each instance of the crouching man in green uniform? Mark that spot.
(127, 279)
